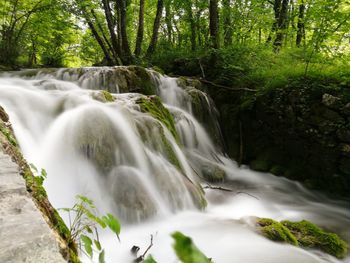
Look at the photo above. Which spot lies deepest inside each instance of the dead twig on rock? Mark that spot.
(208, 186)
(142, 257)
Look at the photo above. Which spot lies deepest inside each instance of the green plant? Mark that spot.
(83, 226)
(39, 177)
(187, 251)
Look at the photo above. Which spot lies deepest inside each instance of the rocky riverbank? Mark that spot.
(300, 130)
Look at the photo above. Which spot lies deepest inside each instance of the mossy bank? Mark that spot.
(9, 145)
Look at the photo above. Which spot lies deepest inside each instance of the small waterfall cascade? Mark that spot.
(145, 152)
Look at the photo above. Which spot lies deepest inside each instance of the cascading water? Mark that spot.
(132, 163)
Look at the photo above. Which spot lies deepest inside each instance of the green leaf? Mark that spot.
(43, 173)
(94, 218)
(87, 242)
(33, 167)
(88, 229)
(97, 244)
(65, 209)
(149, 259)
(186, 250)
(112, 223)
(85, 200)
(101, 257)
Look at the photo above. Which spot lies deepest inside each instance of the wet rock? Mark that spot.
(136, 203)
(96, 138)
(3, 115)
(346, 109)
(213, 173)
(344, 166)
(345, 149)
(344, 135)
(331, 101)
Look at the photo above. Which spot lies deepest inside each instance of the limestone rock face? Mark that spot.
(25, 236)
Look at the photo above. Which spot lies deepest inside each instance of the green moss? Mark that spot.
(169, 151)
(277, 170)
(158, 69)
(260, 165)
(154, 107)
(276, 231)
(108, 96)
(8, 134)
(143, 80)
(311, 236)
(304, 234)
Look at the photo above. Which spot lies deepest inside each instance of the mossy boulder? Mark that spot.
(276, 231)
(96, 138)
(103, 96)
(153, 105)
(141, 81)
(304, 234)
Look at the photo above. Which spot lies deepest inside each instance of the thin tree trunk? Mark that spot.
(227, 19)
(99, 41)
(126, 52)
(301, 25)
(214, 23)
(140, 30)
(192, 24)
(277, 10)
(281, 25)
(104, 36)
(111, 27)
(156, 25)
(168, 20)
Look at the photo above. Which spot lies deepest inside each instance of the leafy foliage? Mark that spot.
(84, 226)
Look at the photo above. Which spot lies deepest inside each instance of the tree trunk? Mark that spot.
(214, 23)
(281, 25)
(277, 10)
(99, 41)
(192, 24)
(227, 19)
(140, 29)
(156, 25)
(168, 19)
(111, 28)
(301, 25)
(126, 52)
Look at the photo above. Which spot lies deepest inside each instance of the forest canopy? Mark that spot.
(56, 33)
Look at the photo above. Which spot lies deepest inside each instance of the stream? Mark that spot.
(133, 166)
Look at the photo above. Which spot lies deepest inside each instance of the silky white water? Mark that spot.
(115, 154)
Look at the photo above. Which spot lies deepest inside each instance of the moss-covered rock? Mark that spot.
(141, 81)
(108, 96)
(155, 108)
(311, 236)
(96, 138)
(304, 234)
(260, 165)
(276, 231)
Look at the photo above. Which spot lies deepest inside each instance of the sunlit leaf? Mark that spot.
(186, 250)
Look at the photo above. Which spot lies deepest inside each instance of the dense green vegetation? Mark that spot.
(85, 32)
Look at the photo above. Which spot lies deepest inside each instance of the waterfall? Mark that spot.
(148, 169)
